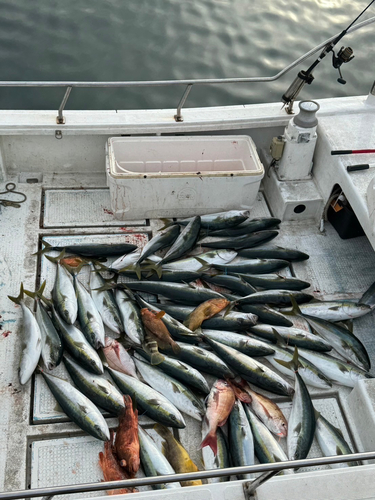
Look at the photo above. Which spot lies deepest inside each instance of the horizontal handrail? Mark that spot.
(198, 81)
(190, 476)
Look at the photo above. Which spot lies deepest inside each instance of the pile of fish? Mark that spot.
(219, 306)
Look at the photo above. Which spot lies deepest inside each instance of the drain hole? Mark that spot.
(33, 180)
(299, 209)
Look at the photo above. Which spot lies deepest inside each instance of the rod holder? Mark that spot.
(178, 116)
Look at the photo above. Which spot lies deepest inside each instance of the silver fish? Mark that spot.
(184, 242)
(301, 425)
(267, 448)
(241, 441)
(336, 310)
(97, 388)
(171, 388)
(130, 317)
(180, 370)
(157, 406)
(334, 369)
(153, 461)
(344, 342)
(220, 220)
(76, 343)
(196, 262)
(331, 441)
(89, 318)
(105, 303)
(292, 336)
(251, 370)
(32, 339)
(63, 293)
(78, 407)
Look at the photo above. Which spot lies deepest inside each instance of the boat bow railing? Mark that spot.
(188, 84)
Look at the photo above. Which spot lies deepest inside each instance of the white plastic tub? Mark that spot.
(151, 177)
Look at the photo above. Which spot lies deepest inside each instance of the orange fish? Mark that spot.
(152, 321)
(205, 311)
(219, 405)
(127, 443)
(111, 469)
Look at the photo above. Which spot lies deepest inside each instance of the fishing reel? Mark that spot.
(344, 55)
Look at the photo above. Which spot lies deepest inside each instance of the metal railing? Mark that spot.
(190, 476)
(164, 83)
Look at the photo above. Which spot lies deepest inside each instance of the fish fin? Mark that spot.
(159, 315)
(17, 300)
(298, 428)
(229, 308)
(205, 285)
(156, 358)
(279, 338)
(317, 414)
(103, 388)
(295, 308)
(205, 265)
(348, 324)
(176, 349)
(58, 408)
(211, 441)
(105, 287)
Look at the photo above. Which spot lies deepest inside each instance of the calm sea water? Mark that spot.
(175, 39)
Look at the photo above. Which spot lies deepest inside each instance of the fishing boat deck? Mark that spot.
(38, 445)
(68, 200)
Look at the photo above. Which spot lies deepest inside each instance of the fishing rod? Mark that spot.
(344, 55)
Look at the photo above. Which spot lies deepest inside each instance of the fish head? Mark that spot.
(281, 428)
(133, 463)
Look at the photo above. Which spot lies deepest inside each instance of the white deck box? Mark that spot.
(151, 177)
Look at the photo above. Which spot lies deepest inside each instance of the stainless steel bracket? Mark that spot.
(60, 119)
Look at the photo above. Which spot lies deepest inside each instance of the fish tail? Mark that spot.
(137, 270)
(167, 223)
(161, 430)
(211, 441)
(156, 358)
(293, 365)
(55, 260)
(46, 247)
(17, 300)
(37, 293)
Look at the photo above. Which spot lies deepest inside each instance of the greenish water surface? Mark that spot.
(118, 40)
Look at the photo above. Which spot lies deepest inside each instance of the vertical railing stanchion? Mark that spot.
(60, 120)
(178, 116)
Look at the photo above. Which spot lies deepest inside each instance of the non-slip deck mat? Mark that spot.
(81, 208)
